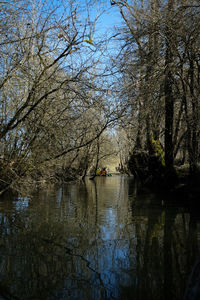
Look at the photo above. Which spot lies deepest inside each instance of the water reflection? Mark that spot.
(98, 240)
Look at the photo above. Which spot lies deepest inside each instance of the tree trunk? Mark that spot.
(193, 157)
(97, 160)
(169, 100)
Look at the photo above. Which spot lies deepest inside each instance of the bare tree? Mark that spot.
(159, 63)
(52, 101)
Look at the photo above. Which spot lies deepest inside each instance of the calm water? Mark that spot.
(99, 240)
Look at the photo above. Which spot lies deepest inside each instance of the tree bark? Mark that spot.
(169, 100)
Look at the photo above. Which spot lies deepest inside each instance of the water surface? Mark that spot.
(95, 240)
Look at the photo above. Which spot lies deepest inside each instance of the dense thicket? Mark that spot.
(53, 108)
(159, 63)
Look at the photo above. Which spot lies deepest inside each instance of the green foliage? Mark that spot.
(158, 150)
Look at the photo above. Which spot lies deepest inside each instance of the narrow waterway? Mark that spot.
(95, 240)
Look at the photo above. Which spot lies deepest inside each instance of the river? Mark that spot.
(95, 240)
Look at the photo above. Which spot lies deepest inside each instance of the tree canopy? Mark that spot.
(63, 86)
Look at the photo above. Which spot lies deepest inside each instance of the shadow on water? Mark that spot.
(96, 240)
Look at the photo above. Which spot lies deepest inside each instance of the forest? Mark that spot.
(72, 94)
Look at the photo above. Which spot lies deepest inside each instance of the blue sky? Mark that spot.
(109, 18)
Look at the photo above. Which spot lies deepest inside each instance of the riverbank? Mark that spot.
(184, 190)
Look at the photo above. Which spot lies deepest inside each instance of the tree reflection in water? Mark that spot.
(98, 240)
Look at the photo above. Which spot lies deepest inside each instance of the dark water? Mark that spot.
(95, 241)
